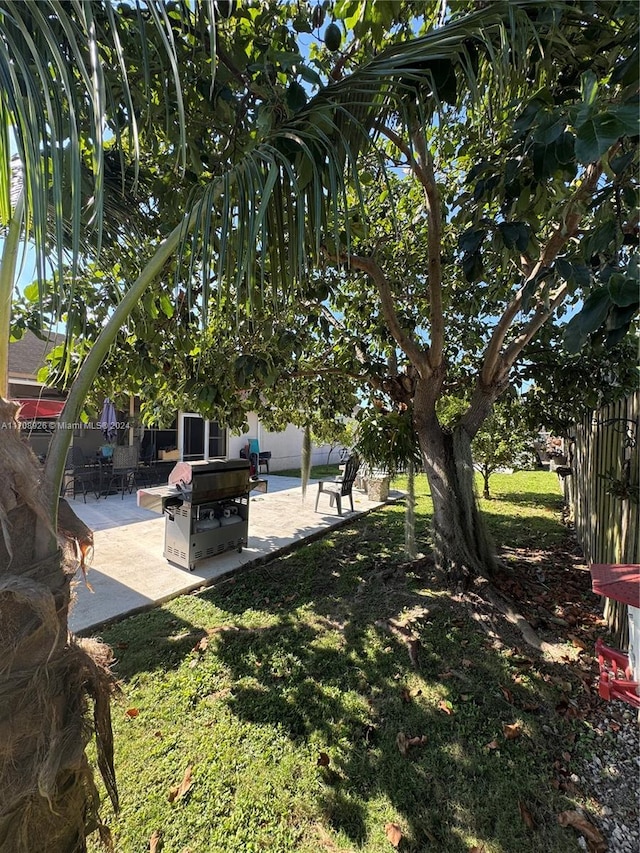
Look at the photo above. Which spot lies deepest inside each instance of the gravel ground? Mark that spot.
(610, 778)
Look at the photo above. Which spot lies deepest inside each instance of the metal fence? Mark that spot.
(602, 491)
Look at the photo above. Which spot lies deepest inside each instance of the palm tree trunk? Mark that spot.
(48, 801)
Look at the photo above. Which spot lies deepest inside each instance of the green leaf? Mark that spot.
(577, 274)
(473, 267)
(564, 269)
(591, 317)
(589, 90)
(631, 196)
(622, 162)
(565, 148)
(166, 305)
(285, 59)
(595, 308)
(628, 115)
(626, 72)
(515, 235)
(623, 291)
(531, 287)
(471, 240)
(550, 129)
(32, 292)
(596, 136)
(545, 161)
(620, 318)
(603, 238)
(310, 76)
(581, 275)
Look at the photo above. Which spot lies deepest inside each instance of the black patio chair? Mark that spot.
(124, 469)
(81, 479)
(147, 472)
(342, 486)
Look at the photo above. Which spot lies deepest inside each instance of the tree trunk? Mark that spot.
(48, 678)
(462, 548)
(485, 477)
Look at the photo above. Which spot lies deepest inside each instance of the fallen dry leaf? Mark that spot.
(466, 663)
(393, 833)
(577, 642)
(155, 842)
(323, 760)
(527, 817)
(180, 790)
(445, 706)
(201, 645)
(132, 712)
(594, 837)
(493, 745)
(511, 731)
(405, 695)
(401, 743)
(404, 743)
(476, 849)
(508, 695)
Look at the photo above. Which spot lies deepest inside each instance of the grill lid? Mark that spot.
(210, 481)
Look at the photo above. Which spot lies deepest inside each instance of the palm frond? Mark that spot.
(55, 101)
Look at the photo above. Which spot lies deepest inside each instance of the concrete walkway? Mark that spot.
(130, 574)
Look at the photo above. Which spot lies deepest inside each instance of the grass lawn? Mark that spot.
(291, 690)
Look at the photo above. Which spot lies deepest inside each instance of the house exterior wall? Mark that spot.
(285, 447)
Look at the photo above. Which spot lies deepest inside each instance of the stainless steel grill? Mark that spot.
(206, 516)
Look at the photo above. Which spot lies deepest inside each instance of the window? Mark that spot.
(200, 439)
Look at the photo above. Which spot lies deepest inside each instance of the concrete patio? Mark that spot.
(130, 574)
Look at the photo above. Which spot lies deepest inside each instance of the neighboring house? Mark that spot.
(40, 405)
(189, 438)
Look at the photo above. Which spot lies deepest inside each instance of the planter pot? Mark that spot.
(378, 488)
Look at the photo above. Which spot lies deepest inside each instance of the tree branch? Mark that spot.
(563, 232)
(416, 355)
(434, 247)
(535, 323)
(421, 164)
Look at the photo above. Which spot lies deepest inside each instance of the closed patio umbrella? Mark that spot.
(108, 420)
